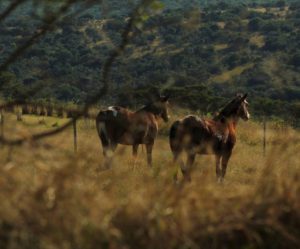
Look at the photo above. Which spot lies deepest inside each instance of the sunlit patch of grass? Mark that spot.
(280, 12)
(275, 10)
(156, 48)
(221, 25)
(219, 47)
(142, 51)
(245, 21)
(257, 40)
(170, 50)
(228, 75)
(259, 10)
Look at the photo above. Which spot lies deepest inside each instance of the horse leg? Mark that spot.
(175, 159)
(105, 149)
(149, 148)
(218, 169)
(113, 147)
(105, 141)
(134, 153)
(105, 145)
(225, 159)
(187, 170)
(176, 147)
(109, 154)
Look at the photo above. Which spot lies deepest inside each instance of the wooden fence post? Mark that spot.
(2, 123)
(75, 134)
(264, 135)
(19, 114)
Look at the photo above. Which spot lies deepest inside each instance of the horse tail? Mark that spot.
(174, 140)
(101, 128)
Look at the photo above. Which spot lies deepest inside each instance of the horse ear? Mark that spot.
(244, 97)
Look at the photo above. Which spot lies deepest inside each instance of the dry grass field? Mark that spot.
(54, 198)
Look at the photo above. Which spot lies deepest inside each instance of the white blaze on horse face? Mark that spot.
(248, 115)
(163, 106)
(246, 109)
(112, 108)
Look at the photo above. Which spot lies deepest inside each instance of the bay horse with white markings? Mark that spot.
(118, 125)
(208, 136)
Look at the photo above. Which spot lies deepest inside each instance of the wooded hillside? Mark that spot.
(198, 52)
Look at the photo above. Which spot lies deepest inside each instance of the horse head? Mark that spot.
(162, 105)
(236, 108)
(243, 112)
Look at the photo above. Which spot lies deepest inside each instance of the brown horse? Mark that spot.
(208, 136)
(118, 125)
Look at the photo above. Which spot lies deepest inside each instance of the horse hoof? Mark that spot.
(187, 179)
(220, 180)
(175, 178)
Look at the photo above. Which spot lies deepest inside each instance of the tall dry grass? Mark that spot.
(52, 198)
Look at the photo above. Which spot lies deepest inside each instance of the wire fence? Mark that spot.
(87, 122)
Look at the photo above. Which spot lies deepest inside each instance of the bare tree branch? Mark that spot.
(105, 80)
(37, 136)
(115, 54)
(108, 64)
(10, 9)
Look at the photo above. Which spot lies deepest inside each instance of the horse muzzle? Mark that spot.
(246, 117)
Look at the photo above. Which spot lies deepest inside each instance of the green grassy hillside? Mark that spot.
(202, 55)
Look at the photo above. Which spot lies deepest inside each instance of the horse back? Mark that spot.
(144, 127)
(126, 127)
(197, 128)
(204, 136)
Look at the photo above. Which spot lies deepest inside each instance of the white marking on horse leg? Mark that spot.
(110, 153)
(102, 128)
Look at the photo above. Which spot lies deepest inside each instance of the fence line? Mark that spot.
(1, 123)
(75, 134)
(264, 135)
(91, 116)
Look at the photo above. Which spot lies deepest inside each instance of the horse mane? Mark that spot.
(150, 108)
(230, 109)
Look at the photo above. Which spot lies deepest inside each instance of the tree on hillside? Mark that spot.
(295, 60)
(275, 42)
(255, 24)
(280, 3)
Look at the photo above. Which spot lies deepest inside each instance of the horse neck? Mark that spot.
(232, 124)
(231, 121)
(149, 109)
